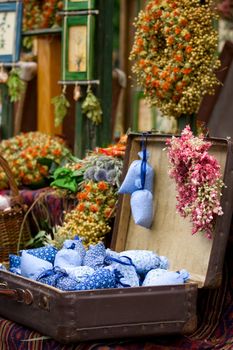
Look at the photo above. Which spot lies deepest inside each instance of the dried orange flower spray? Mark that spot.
(175, 54)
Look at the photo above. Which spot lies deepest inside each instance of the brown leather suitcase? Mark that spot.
(141, 311)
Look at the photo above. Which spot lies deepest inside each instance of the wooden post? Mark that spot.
(87, 136)
(104, 69)
(190, 120)
(7, 113)
(129, 10)
(49, 67)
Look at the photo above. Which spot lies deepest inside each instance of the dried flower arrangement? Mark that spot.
(97, 198)
(175, 54)
(198, 180)
(38, 14)
(27, 155)
(90, 220)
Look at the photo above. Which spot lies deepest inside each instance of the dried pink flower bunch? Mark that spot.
(198, 179)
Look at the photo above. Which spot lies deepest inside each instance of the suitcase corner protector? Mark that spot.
(190, 326)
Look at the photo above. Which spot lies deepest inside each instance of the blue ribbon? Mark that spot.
(122, 262)
(55, 271)
(144, 160)
(72, 247)
(118, 277)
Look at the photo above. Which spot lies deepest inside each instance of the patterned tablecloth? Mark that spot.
(215, 314)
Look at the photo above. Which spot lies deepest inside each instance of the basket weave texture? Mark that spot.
(11, 229)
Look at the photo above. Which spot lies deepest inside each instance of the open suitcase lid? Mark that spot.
(170, 234)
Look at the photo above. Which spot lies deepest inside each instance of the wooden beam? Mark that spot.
(49, 68)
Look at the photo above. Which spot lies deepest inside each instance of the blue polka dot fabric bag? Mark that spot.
(133, 181)
(71, 255)
(127, 275)
(95, 256)
(58, 278)
(47, 253)
(32, 267)
(160, 277)
(75, 244)
(14, 261)
(141, 203)
(100, 279)
(14, 264)
(145, 260)
(111, 257)
(80, 272)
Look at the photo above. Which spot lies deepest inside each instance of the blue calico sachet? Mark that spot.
(14, 264)
(141, 203)
(159, 277)
(14, 261)
(95, 256)
(76, 269)
(71, 255)
(127, 275)
(111, 257)
(66, 283)
(145, 260)
(58, 278)
(32, 267)
(75, 244)
(133, 182)
(80, 272)
(2, 267)
(47, 253)
(100, 279)
(51, 276)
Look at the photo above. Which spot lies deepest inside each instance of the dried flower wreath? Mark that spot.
(175, 53)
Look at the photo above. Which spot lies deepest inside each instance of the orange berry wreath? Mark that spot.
(175, 53)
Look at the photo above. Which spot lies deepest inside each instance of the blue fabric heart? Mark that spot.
(95, 256)
(47, 253)
(100, 279)
(133, 181)
(159, 277)
(32, 267)
(142, 214)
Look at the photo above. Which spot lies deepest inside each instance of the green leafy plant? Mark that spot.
(38, 241)
(91, 107)
(15, 85)
(67, 178)
(61, 105)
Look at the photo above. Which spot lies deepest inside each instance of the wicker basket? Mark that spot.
(11, 229)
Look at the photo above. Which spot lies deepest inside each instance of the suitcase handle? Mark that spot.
(18, 294)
